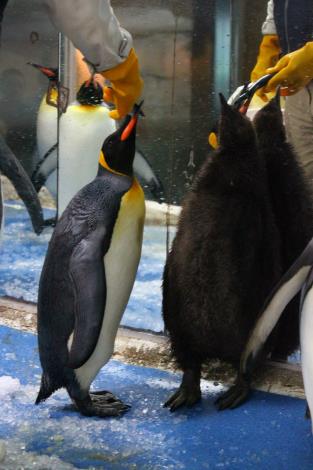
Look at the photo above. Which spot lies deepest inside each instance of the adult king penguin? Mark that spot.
(82, 129)
(85, 124)
(88, 276)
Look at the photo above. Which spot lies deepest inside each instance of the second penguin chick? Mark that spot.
(292, 207)
(293, 211)
(224, 259)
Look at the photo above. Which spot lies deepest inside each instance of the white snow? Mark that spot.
(8, 386)
(15, 457)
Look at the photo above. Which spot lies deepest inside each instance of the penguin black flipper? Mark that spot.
(13, 170)
(289, 285)
(88, 280)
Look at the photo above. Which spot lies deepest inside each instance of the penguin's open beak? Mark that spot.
(51, 73)
(132, 123)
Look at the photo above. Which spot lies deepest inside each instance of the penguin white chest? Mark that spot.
(306, 344)
(121, 263)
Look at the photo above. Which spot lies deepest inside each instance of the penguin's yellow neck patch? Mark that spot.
(103, 163)
(52, 95)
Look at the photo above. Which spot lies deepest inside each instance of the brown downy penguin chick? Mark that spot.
(218, 271)
(293, 211)
(292, 207)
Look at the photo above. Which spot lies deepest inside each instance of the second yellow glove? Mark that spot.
(293, 72)
(126, 86)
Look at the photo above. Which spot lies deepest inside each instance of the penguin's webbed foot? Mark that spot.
(189, 391)
(104, 394)
(101, 404)
(235, 395)
(183, 397)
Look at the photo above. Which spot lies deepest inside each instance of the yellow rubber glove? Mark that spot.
(268, 56)
(126, 86)
(293, 72)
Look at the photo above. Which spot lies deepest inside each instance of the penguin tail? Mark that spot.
(47, 387)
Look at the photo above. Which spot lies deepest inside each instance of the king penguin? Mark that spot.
(87, 277)
(291, 200)
(292, 206)
(224, 258)
(84, 126)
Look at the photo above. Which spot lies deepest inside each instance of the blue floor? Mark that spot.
(269, 432)
(22, 254)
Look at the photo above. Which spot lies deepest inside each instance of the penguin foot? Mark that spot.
(105, 396)
(189, 391)
(101, 404)
(183, 396)
(235, 396)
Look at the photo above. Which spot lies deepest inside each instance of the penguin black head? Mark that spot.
(268, 121)
(235, 129)
(90, 93)
(118, 150)
(53, 76)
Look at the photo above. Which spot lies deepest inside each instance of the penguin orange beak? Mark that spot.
(132, 123)
(129, 128)
(48, 72)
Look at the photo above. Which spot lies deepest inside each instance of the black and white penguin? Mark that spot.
(46, 134)
(84, 126)
(218, 272)
(82, 129)
(293, 210)
(14, 171)
(88, 276)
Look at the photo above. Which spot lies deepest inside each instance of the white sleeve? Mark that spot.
(93, 28)
(268, 26)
